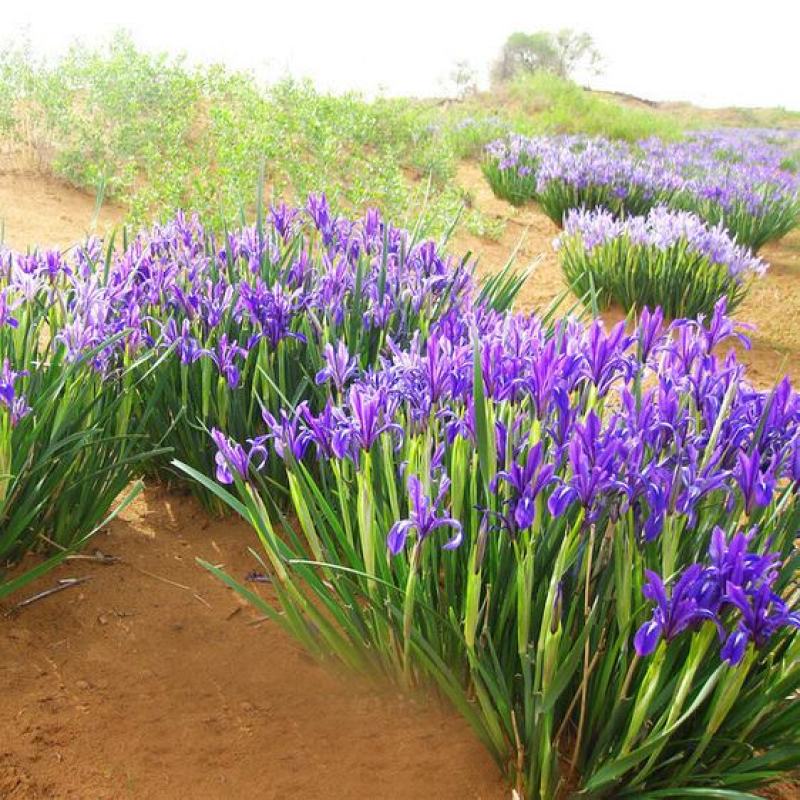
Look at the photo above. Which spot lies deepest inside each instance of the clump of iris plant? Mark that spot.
(584, 539)
(71, 441)
(670, 259)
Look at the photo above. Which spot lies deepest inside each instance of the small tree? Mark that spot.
(464, 79)
(562, 53)
(576, 51)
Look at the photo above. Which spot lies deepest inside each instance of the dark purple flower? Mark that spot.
(370, 411)
(224, 356)
(673, 614)
(649, 331)
(696, 480)
(605, 355)
(288, 438)
(339, 366)
(317, 207)
(525, 482)
(763, 614)
(757, 485)
(281, 218)
(561, 499)
(424, 517)
(230, 456)
(186, 345)
(17, 405)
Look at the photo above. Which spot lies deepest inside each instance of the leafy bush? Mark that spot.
(668, 259)
(157, 135)
(561, 106)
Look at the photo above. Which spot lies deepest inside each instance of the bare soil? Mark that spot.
(152, 680)
(38, 210)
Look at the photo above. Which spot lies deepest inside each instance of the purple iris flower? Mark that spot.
(319, 212)
(7, 379)
(721, 327)
(281, 217)
(273, 310)
(370, 412)
(6, 307)
(425, 516)
(793, 466)
(288, 438)
(17, 405)
(598, 461)
(733, 563)
(321, 429)
(763, 614)
(658, 491)
(650, 331)
(339, 366)
(230, 456)
(562, 497)
(526, 482)
(673, 614)
(698, 480)
(224, 356)
(443, 366)
(605, 355)
(757, 485)
(186, 345)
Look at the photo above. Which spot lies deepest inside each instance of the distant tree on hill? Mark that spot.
(562, 53)
(463, 79)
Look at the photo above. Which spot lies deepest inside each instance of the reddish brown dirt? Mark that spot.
(152, 680)
(36, 210)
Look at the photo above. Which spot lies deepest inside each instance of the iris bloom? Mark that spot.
(425, 516)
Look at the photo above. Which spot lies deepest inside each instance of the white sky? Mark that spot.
(711, 52)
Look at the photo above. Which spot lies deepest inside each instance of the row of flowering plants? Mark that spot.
(70, 441)
(247, 322)
(744, 180)
(119, 359)
(584, 539)
(667, 258)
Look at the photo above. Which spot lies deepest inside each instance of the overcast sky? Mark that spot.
(711, 52)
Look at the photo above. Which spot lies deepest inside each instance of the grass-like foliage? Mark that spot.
(766, 214)
(668, 259)
(510, 167)
(584, 540)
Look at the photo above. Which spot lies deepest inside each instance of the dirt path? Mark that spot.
(153, 681)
